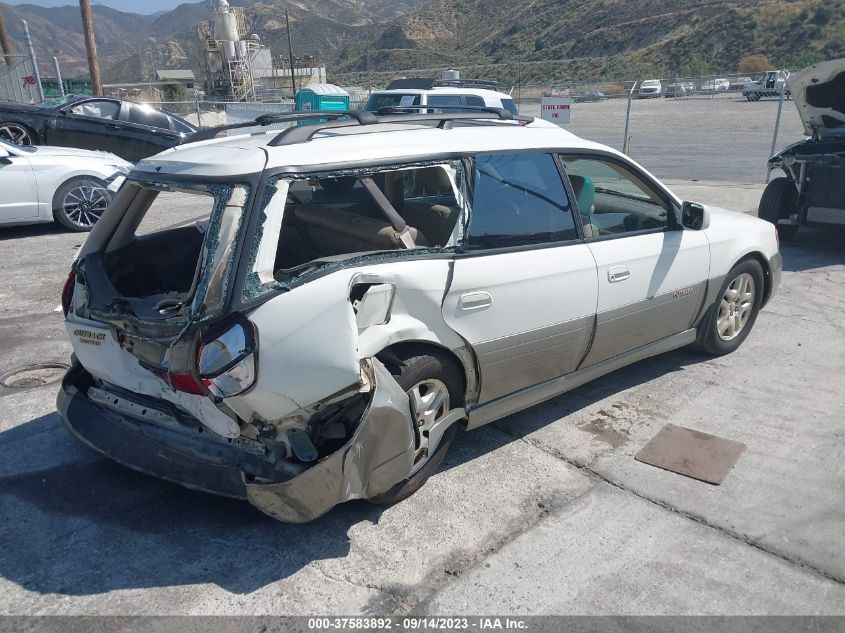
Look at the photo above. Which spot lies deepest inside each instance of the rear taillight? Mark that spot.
(67, 292)
(226, 363)
(186, 383)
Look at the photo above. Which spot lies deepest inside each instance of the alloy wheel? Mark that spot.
(84, 204)
(429, 405)
(736, 307)
(15, 133)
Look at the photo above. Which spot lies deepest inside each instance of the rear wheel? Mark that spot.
(17, 133)
(435, 386)
(730, 319)
(80, 202)
(779, 200)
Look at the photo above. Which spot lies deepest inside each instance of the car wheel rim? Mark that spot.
(83, 205)
(15, 134)
(736, 307)
(429, 405)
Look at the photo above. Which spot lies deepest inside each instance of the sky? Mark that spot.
(132, 6)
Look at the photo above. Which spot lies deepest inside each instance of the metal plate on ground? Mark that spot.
(692, 453)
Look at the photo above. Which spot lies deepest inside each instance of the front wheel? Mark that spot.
(729, 320)
(435, 386)
(779, 200)
(79, 203)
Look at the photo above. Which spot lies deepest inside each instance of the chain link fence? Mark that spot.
(700, 128)
(683, 132)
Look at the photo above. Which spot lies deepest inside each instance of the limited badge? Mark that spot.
(683, 292)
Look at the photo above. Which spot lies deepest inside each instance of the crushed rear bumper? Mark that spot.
(379, 454)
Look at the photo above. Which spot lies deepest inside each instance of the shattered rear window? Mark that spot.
(173, 252)
(312, 221)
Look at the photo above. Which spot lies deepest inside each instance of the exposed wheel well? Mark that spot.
(407, 348)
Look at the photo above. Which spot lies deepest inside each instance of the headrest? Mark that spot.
(585, 193)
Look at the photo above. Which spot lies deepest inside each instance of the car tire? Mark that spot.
(412, 369)
(730, 319)
(779, 200)
(79, 203)
(17, 133)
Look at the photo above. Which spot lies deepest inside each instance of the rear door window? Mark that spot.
(377, 101)
(441, 103)
(150, 117)
(519, 199)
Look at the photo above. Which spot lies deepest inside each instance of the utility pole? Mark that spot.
(91, 47)
(4, 41)
(39, 89)
(59, 76)
(290, 55)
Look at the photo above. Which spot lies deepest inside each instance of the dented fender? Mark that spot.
(378, 456)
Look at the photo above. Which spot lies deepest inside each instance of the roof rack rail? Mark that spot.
(411, 83)
(360, 116)
(466, 83)
(304, 133)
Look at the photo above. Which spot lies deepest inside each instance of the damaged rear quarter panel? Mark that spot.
(309, 344)
(379, 454)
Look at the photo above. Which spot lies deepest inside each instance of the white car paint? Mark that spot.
(491, 98)
(30, 177)
(521, 321)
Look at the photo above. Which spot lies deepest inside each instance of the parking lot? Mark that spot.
(543, 512)
(720, 137)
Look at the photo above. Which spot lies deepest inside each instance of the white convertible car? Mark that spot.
(70, 186)
(363, 288)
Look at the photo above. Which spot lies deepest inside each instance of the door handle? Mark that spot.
(475, 300)
(618, 273)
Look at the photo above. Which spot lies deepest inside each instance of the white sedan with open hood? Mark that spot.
(62, 184)
(352, 293)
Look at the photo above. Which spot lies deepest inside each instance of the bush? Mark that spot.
(754, 64)
(174, 92)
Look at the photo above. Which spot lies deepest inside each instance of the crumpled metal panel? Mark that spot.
(379, 455)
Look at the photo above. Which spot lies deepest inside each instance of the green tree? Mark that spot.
(174, 92)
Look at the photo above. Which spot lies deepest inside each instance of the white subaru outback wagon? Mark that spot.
(357, 290)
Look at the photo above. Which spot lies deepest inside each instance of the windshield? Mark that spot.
(380, 100)
(58, 103)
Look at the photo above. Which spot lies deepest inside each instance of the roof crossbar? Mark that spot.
(360, 116)
(304, 133)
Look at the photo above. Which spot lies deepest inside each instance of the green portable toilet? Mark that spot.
(322, 97)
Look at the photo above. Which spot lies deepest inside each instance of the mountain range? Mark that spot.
(363, 39)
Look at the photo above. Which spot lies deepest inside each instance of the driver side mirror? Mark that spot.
(693, 216)
(5, 157)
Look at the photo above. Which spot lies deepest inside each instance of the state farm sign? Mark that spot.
(556, 109)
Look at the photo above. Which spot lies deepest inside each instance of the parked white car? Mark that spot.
(716, 85)
(412, 94)
(363, 289)
(70, 186)
(650, 88)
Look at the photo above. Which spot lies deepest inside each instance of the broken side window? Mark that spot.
(324, 218)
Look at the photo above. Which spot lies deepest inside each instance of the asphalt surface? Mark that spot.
(543, 512)
(721, 137)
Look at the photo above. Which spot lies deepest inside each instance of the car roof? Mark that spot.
(381, 143)
(447, 90)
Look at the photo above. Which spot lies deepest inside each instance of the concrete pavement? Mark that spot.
(543, 512)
